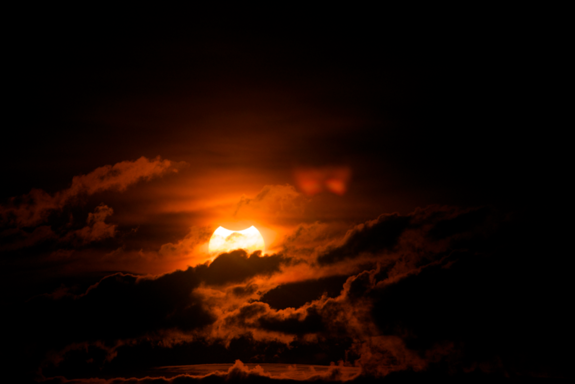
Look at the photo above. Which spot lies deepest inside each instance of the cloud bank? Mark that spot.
(33, 208)
(438, 290)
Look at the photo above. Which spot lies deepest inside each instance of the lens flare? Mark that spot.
(224, 240)
(312, 181)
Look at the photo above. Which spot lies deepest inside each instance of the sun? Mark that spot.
(224, 240)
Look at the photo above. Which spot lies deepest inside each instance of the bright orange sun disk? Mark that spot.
(224, 240)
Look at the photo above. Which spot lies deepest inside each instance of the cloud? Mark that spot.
(438, 290)
(16, 238)
(34, 208)
(96, 228)
(483, 305)
(299, 293)
(308, 240)
(308, 321)
(374, 236)
(418, 237)
(121, 306)
(172, 298)
(238, 372)
(236, 266)
(247, 290)
(272, 201)
(128, 307)
(345, 320)
(188, 246)
(462, 297)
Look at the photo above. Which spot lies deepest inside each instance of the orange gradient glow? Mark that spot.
(224, 240)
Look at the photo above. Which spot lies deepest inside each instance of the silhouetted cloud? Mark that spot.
(123, 307)
(34, 207)
(447, 291)
(236, 266)
(310, 322)
(298, 293)
(238, 372)
(103, 268)
(16, 238)
(96, 228)
(245, 291)
(374, 236)
(188, 245)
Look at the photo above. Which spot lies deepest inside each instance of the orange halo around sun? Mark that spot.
(224, 240)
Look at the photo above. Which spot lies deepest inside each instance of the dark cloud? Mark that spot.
(461, 223)
(142, 359)
(310, 322)
(471, 298)
(96, 228)
(297, 294)
(258, 315)
(417, 237)
(245, 290)
(496, 305)
(359, 285)
(374, 236)
(34, 207)
(16, 238)
(238, 372)
(423, 113)
(236, 266)
(43, 231)
(483, 300)
(128, 307)
(120, 306)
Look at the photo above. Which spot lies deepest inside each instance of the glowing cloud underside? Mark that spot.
(224, 240)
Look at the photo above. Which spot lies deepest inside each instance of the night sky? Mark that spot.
(387, 161)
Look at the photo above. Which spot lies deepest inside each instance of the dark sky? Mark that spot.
(434, 107)
(130, 136)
